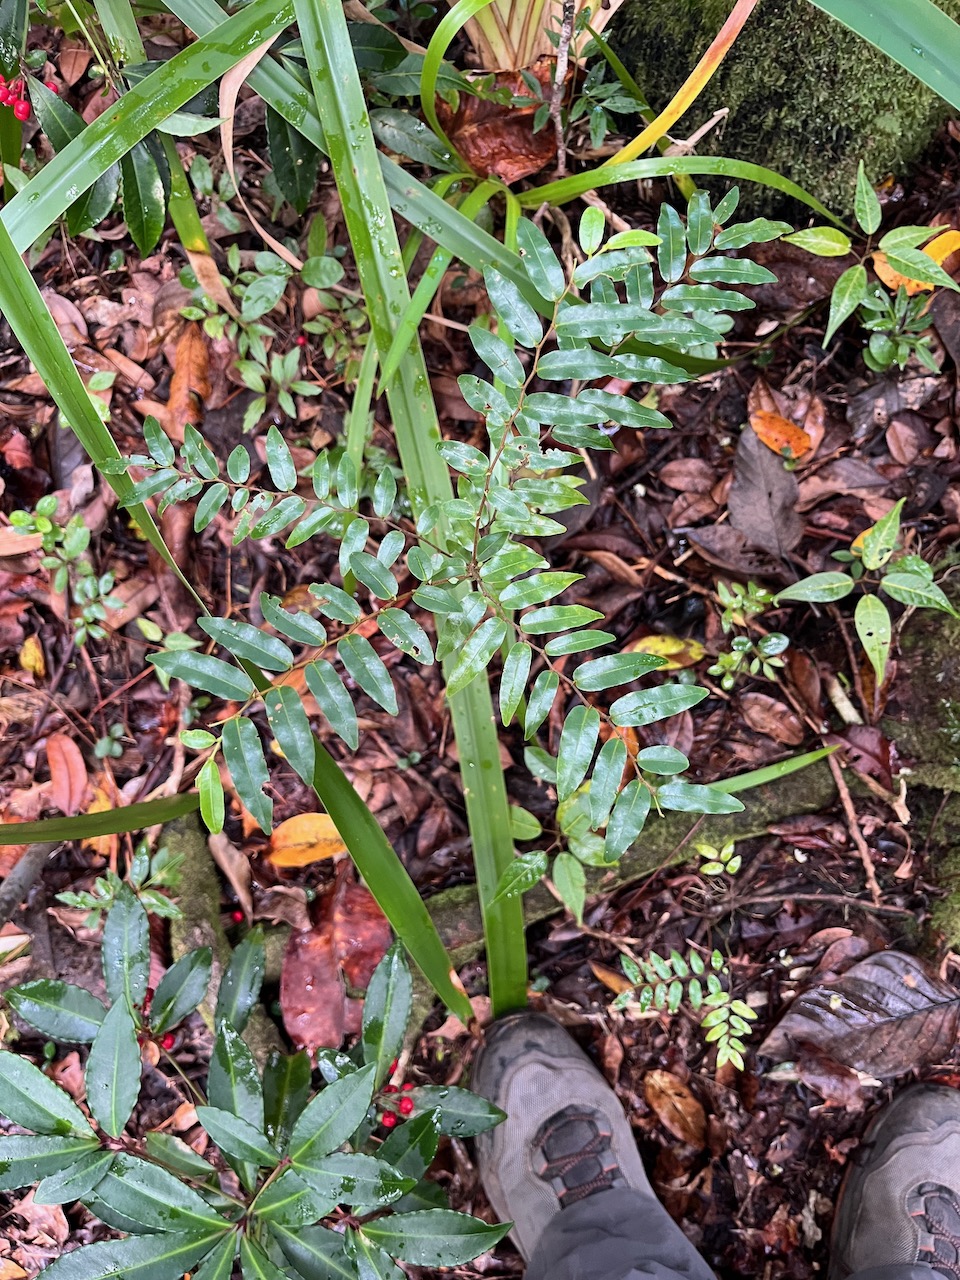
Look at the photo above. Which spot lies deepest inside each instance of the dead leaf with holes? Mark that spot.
(676, 1108)
(886, 1015)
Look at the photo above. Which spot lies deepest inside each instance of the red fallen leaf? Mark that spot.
(342, 949)
(68, 774)
(497, 139)
(676, 1108)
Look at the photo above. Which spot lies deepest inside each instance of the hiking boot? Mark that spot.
(900, 1202)
(565, 1137)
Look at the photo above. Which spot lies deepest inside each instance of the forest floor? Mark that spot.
(749, 1163)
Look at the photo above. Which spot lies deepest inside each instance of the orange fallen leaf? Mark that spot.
(939, 249)
(190, 384)
(780, 434)
(306, 838)
(106, 796)
(612, 980)
(676, 652)
(68, 774)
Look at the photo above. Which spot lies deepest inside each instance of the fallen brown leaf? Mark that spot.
(886, 1015)
(772, 717)
(676, 1108)
(763, 496)
(68, 774)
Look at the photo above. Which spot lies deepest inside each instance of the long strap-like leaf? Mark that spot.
(373, 234)
(915, 33)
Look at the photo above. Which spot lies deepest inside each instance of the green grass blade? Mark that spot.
(428, 285)
(440, 41)
(771, 772)
(132, 817)
(120, 27)
(915, 33)
(363, 194)
(388, 881)
(138, 112)
(565, 189)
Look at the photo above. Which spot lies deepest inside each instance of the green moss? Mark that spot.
(806, 97)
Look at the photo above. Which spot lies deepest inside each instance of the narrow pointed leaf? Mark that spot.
(245, 641)
(237, 1138)
(291, 728)
(58, 1009)
(158, 1200)
(365, 665)
(241, 983)
(243, 754)
(331, 1118)
(126, 949)
(26, 1159)
(386, 1012)
(181, 989)
(75, 1182)
(112, 1073)
(334, 701)
(31, 1099)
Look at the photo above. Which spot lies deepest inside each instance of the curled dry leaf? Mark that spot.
(235, 865)
(772, 717)
(886, 1015)
(676, 1108)
(68, 774)
(303, 839)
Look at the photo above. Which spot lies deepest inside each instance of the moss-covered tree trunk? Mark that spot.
(806, 97)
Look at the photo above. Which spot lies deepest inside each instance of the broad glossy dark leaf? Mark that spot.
(434, 1238)
(241, 983)
(58, 1009)
(158, 1200)
(181, 989)
(25, 1159)
(155, 1257)
(112, 1073)
(126, 949)
(32, 1100)
(295, 161)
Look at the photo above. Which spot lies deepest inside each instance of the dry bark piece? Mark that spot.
(887, 1015)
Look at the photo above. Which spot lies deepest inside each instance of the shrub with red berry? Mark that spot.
(290, 1151)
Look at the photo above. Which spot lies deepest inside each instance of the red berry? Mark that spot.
(301, 341)
(388, 1120)
(237, 916)
(52, 86)
(393, 1066)
(168, 1040)
(407, 1087)
(406, 1106)
(3, 79)
(21, 110)
(390, 1088)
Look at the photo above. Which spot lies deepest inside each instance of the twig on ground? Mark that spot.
(19, 882)
(559, 83)
(856, 835)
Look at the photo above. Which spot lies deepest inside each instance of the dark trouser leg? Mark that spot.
(621, 1235)
(616, 1235)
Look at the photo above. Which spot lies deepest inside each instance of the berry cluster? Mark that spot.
(405, 1105)
(13, 94)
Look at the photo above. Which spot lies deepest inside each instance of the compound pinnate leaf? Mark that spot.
(615, 669)
(607, 776)
(334, 701)
(476, 654)
(366, 667)
(206, 673)
(246, 641)
(243, 754)
(539, 261)
(650, 705)
(513, 308)
(570, 882)
(692, 797)
(886, 1015)
(627, 819)
(521, 874)
(513, 679)
(578, 741)
(291, 728)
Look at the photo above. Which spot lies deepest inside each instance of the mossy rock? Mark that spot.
(806, 96)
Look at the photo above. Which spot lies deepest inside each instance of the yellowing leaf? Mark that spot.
(612, 980)
(779, 434)
(31, 657)
(309, 837)
(939, 249)
(676, 652)
(106, 796)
